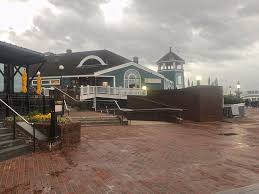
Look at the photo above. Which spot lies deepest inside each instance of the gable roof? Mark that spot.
(12, 54)
(171, 56)
(131, 64)
(70, 61)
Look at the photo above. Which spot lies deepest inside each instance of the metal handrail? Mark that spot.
(66, 94)
(66, 107)
(16, 113)
(14, 123)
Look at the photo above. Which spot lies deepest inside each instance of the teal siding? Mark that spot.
(119, 74)
(172, 75)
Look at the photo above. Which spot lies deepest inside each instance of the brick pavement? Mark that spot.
(147, 157)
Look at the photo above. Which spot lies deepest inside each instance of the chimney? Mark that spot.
(69, 51)
(170, 49)
(135, 60)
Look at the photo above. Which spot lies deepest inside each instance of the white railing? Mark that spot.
(88, 92)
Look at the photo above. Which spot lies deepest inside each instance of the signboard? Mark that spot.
(152, 81)
(58, 108)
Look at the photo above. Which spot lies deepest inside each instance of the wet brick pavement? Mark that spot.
(146, 157)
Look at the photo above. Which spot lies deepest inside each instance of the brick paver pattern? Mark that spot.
(146, 157)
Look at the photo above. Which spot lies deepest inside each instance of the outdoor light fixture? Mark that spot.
(61, 68)
(198, 79)
(38, 73)
(144, 88)
(238, 85)
(238, 92)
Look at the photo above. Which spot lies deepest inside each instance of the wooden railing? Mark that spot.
(88, 92)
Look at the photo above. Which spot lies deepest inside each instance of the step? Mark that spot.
(6, 136)
(14, 151)
(99, 124)
(28, 129)
(95, 118)
(10, 143)
(5, 130)
(104, 121)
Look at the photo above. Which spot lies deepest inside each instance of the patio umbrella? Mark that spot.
(24, 81)
(38, 85)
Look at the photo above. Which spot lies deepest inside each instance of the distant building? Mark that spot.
(102, 69)
(250, 95)
(171, 66)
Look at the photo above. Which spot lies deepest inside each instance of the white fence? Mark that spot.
(88, 92)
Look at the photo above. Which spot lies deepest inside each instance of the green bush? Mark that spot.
(231, 99)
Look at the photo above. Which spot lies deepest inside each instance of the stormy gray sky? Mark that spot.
(216, 38)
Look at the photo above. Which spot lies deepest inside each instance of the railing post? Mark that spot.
(88, 89)
(109, 90)
(34, 139)
(14, 125)
(81, 92)
(44, 104)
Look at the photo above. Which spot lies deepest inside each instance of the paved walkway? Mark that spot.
(144, 158)
(252, 189)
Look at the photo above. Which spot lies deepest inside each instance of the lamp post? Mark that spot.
(198, 79)
(238, 89)
(230, 90)
(61, 68)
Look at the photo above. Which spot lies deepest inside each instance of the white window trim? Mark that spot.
(91, 57)
(34, 82)
(127, 78)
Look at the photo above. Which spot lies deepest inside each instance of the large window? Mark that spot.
(132, 79)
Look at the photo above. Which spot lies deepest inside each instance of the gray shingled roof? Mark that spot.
(170, 57)
(12, 54)
(70, 61)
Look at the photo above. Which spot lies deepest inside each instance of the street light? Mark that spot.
(144, 88)
(230, 90)
(238, 85)
(238, 89)
(61, 68)
(198, 79)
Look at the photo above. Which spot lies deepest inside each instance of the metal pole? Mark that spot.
(44, 104)
(28, 89)
(14, 125)
(95, 93)
(34, 139)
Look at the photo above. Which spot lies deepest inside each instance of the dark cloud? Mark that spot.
(214, 37)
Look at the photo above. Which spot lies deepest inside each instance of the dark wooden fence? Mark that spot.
(200, 103)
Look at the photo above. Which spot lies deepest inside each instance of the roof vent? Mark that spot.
(69, 51)
(135, 60)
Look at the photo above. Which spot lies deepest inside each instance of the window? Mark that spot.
(45, 82)
(50, 82)
(179, 80)
(91, 62)
(132, 79)
(179, 67)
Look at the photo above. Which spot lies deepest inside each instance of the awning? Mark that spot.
(12, 54)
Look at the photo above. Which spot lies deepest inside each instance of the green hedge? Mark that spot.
(231, 99)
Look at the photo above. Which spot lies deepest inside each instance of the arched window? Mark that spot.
(132, 79)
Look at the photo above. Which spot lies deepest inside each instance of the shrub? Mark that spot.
(40, 118)
(231, 99)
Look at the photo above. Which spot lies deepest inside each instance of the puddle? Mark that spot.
(228, 134)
